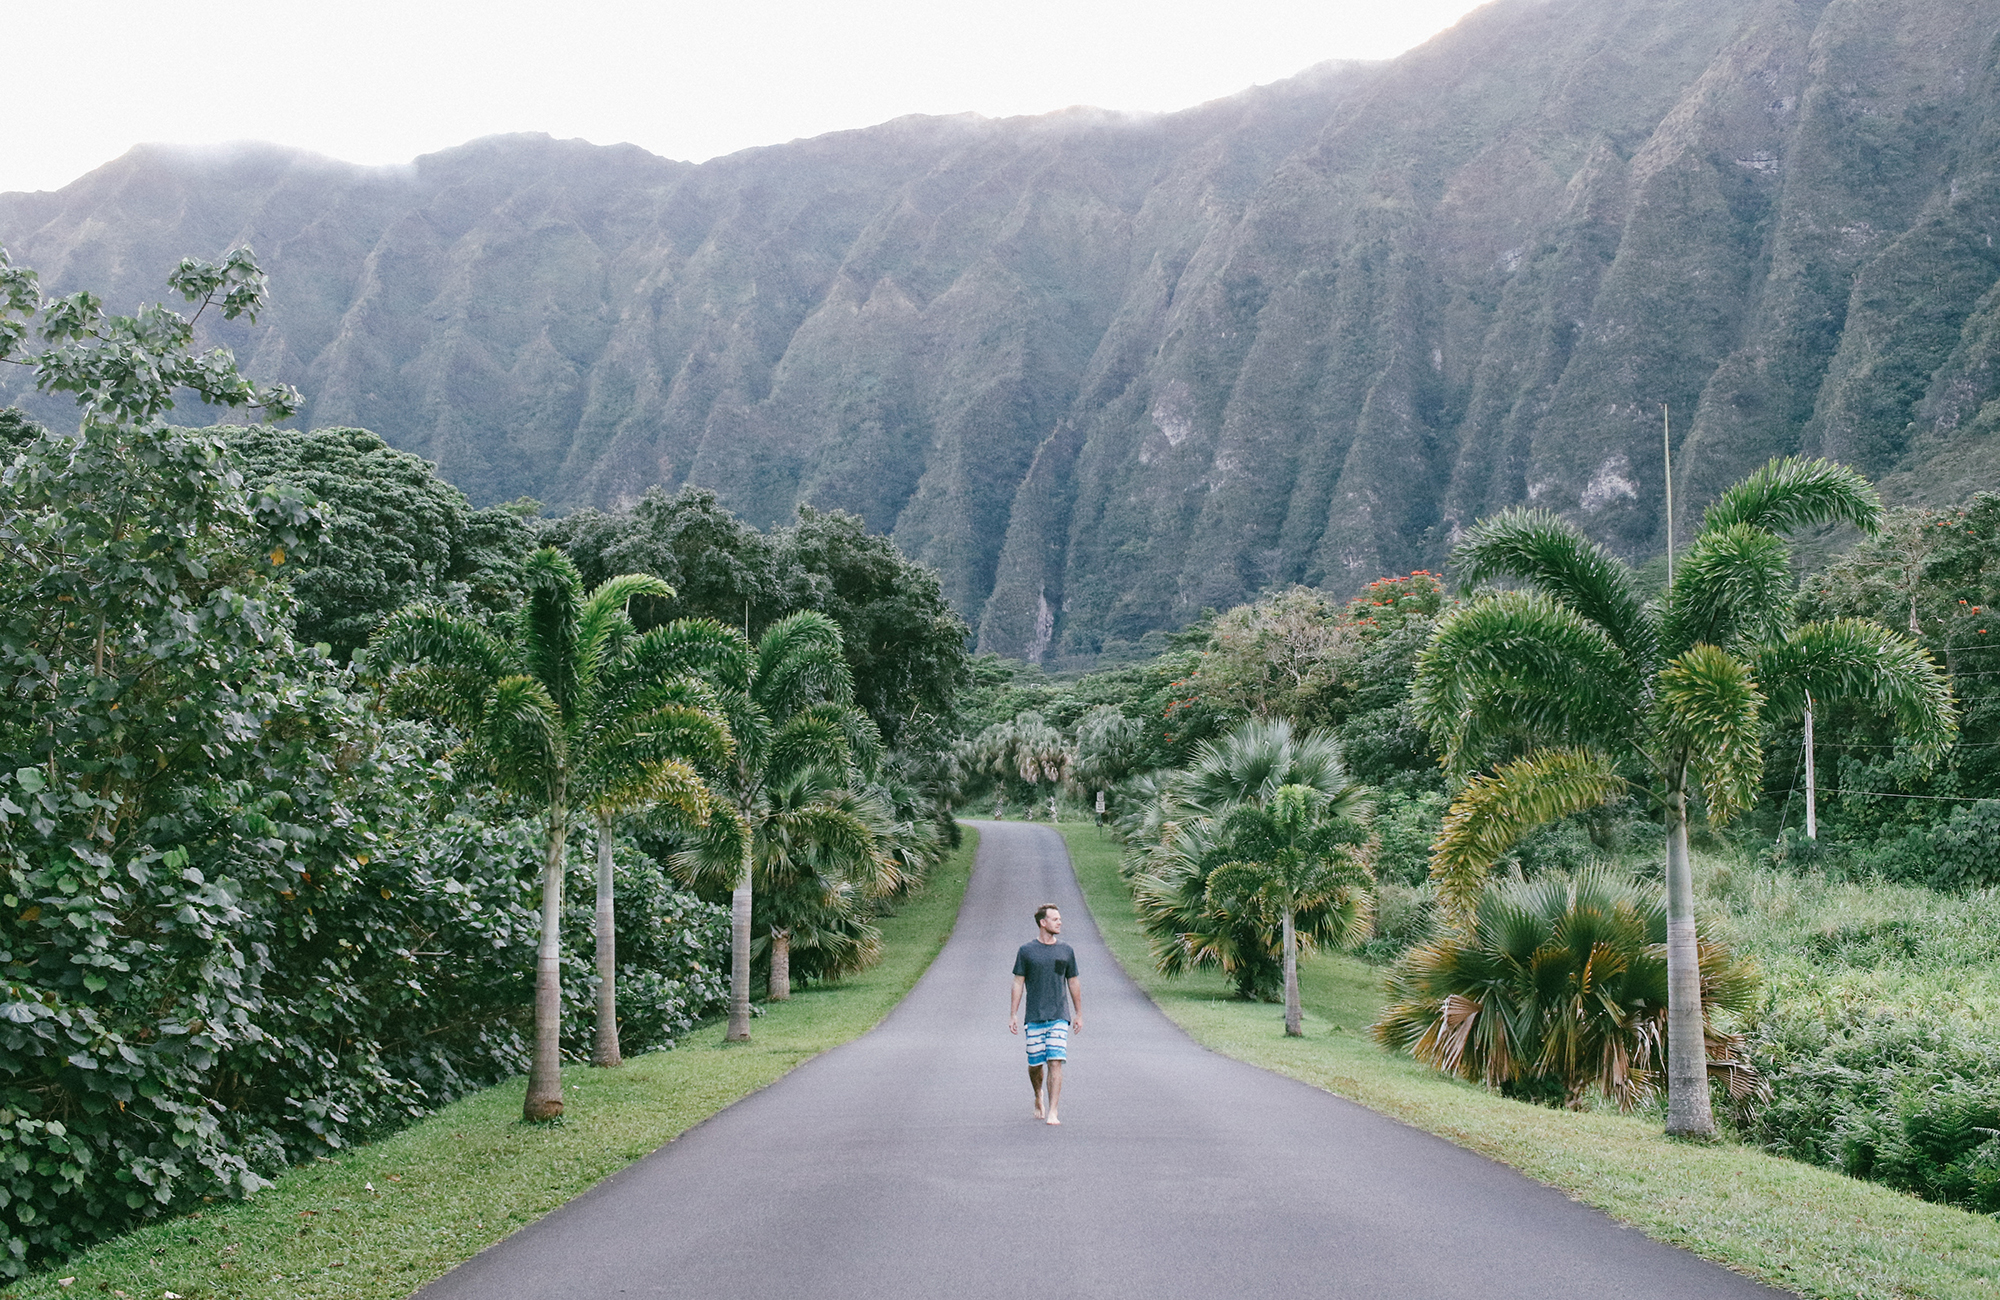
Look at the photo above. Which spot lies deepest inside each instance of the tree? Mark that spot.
(1558, 984)
(1580, 691)
(395, 533)
(790, 707)
(1180, 843)
(1285, 855)
(158, 737)
(1026, 749)
(904, 646)
(566, 713)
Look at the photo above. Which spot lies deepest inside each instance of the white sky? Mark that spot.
(381, 81)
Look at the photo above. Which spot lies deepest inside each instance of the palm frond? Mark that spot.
(519, 736)
(799, 662)
(548, 625)
(1710, 711)
(1859, 661)
(424, 634)
(603, 625)
(814, 738)
(1526, 665)
(1732, 588)
(1541, 547)
(1492, 812)
(671, 786)
(1795, 493)
(698, 646)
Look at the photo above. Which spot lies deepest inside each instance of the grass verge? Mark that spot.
(384, 1219)
(1811, 1230)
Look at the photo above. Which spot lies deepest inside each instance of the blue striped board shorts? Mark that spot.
(1048, 1040)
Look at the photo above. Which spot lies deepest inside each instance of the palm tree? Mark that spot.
(1284, 856)
(790, 704)
(619, 773)
(560, 715)
(1579, 690)
(1558, 983)
(1178, 842)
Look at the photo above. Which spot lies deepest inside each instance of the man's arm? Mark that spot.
(1014, 1004)
(1075, 1005)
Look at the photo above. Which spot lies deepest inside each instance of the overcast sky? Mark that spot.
(381, 81)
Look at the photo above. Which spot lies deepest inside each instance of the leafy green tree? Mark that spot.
(395, 533)
(1935, 573)
(719, 567)
(1580, 691)
(1026, 750)
(1284, 856)
(1179, 843)
(789, 701)
(566, 713)
(1558, 984)
(904, 646)
(155, 725)
(817, 869)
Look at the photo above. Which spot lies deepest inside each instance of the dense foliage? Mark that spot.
(905, 648)
(393, 533)
(250, 916)
(1559, 987)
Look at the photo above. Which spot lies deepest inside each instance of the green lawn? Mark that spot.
(383, 1220)
(1808, 1229)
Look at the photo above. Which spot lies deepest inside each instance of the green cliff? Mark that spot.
(1104, 370)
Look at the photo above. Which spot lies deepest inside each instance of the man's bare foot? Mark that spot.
(1054, 1120)
(1038, 1112)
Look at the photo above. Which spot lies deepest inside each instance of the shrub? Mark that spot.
(1408, 824)
(1966, 848)
(1558, 986)
(1908, 1100)
(673, 954)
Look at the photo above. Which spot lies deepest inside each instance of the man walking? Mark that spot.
(1045, 976)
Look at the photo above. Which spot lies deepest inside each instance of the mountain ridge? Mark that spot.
(1103, 370)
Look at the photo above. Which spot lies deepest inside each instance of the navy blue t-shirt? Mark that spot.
(1049, 968)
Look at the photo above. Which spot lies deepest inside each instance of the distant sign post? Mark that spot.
(1100, 807)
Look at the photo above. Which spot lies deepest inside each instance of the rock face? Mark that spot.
(1103, 371)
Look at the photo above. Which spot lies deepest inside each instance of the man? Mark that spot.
(1045, 977)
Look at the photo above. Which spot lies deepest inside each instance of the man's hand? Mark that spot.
(1013, 1025)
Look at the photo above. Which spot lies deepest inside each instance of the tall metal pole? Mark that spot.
(1667, 454)
(1812, 804)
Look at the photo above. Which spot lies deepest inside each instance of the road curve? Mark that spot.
(907, 1164)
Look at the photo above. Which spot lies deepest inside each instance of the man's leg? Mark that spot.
(1055, 1089)
(1035, 1082)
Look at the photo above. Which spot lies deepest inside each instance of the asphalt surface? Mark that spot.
(908, 1164)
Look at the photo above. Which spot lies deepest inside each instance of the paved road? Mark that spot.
(907, 1164)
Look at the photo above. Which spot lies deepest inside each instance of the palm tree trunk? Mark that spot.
(781, 965)
(605, 1051)
(545, 1074)
(1688, 1111)
(739, 948)
(1294, 1021)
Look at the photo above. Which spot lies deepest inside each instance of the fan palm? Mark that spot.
(790, 704)
(563, 715)
(1576, 691)
(1286, 855)
(1179, 842)
(1556, 981)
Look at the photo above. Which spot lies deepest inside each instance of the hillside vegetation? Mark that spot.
(1105, 371)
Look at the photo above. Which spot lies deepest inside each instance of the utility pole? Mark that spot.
(1667, 455)
(1812, 813)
